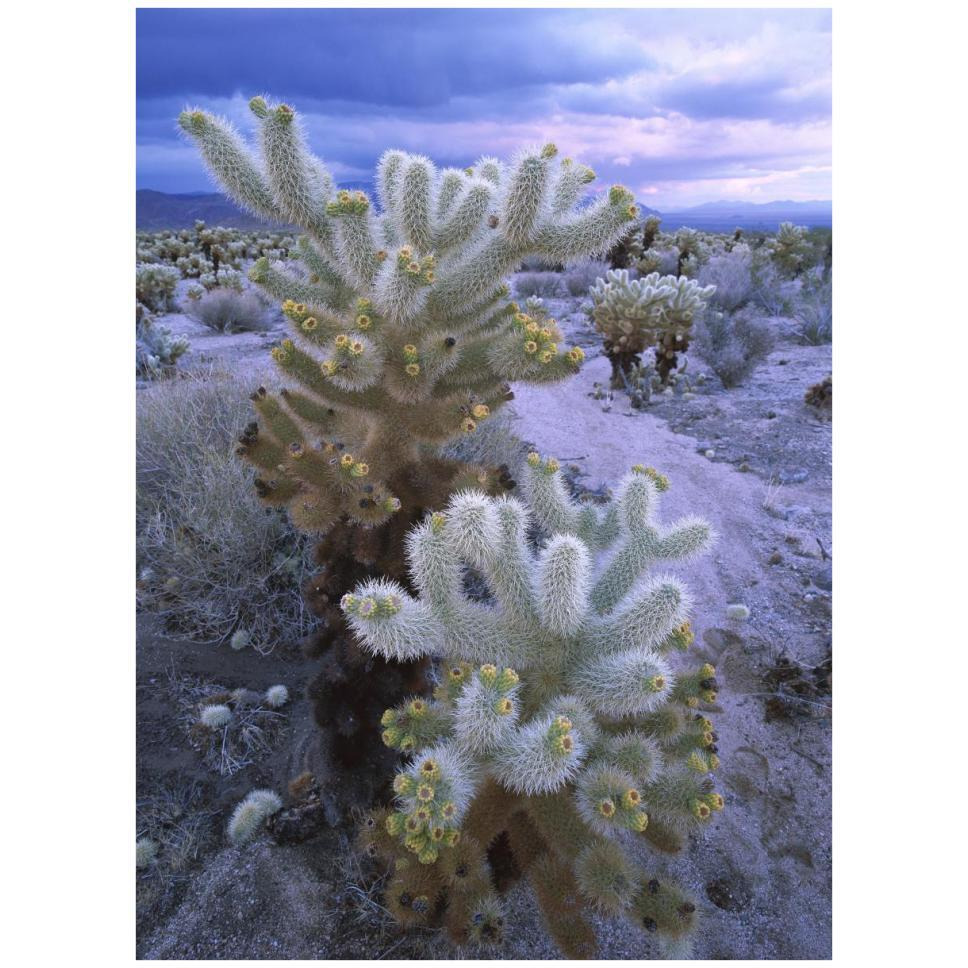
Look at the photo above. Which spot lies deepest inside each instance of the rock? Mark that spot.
(710, 454)
(797, 476)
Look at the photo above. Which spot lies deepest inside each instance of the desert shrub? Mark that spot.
(580, 276)
(770, 292)
(732, 275)
(661, 260)
(495, 444)
(539, 263)
(155, 286)
(547, 285)
(156, 348)
(229, 311)
(733, 344)
(211, 558)
(814, 310)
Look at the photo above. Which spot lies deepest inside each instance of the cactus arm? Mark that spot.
(227, 158)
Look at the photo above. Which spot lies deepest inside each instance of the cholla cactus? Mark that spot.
(560, 719)
(655, 310)
(277, 696)
(790, 249)
(155, 286)
(208, 253)
(250, 815)
(215, 716)
(402, 333)
(145, 852)
(156, 348)
(403, 336)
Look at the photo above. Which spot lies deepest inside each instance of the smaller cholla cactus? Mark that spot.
(146, 851)
(250, 815)
(155, 286)
(277, 696)
(656, 311)
(215, 717)
(240, 640)
(737, 612)
(562, 718)
(156, 349)
(790, 249)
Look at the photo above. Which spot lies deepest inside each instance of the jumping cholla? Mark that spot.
(790, 249)
(655, 310)
(559, 720)
(404, 334)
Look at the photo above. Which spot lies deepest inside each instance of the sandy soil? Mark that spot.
(761, 872)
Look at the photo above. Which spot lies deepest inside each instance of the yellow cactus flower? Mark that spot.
(700, 810)
(640, 821)
(631, 798)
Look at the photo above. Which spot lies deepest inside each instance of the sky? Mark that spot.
(683, 106)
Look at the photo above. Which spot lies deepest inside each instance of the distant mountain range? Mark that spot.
(155, 211)
(159, 210)
(766, 216)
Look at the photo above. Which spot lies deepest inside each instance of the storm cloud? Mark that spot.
(684, 106)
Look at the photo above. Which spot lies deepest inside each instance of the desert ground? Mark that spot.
(756, 461)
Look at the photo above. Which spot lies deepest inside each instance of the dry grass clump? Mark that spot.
(493, 444)
(770, 291)
(733, 344)
(547, 285)
(580, 276)
(814, 311)
(174, 820)
(228, 311)
(211, 559)
(732, 275)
